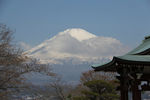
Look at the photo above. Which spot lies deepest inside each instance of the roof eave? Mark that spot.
(131, 62)
(110, 66)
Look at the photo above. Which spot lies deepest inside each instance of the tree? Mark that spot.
(97, 86)
(100, 90)
(55, 89)
(91, 75)
(61, 89)
(14, 64)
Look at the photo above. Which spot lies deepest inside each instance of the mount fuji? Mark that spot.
(73, 51)
(77, 44)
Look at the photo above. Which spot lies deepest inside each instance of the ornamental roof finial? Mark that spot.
(147, 37)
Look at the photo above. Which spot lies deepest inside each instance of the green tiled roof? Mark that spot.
(142, 47)
(139, 55)
(138, 58)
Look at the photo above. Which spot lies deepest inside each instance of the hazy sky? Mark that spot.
(37, 20)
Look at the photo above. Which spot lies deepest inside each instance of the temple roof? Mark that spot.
(138, 56)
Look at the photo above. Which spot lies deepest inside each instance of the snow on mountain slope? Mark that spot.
(77, 44)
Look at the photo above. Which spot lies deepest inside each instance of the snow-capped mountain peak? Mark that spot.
(76, 44)
(78, 34)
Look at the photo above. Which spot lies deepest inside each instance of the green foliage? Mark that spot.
(90, 94)
(69, 96)
(80, 98)
(100, 86)
(110, 96)
(97, 88)
(100, 89)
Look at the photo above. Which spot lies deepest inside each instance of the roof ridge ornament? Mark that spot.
(147, 37)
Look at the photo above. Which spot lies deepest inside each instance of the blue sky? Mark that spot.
(37, 20)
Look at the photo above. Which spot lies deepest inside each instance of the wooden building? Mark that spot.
(133, 68)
